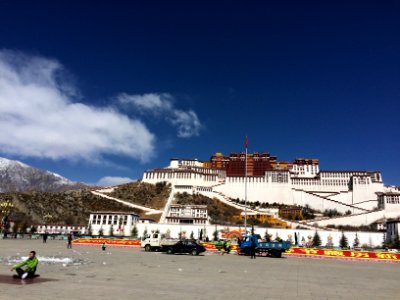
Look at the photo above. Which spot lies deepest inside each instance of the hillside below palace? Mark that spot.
(299, 182)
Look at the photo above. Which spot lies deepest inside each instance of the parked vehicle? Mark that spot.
(393, 250)
(154, 242)
(273, 249)
(185, 246)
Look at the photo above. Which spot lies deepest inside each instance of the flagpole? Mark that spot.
(245, 191)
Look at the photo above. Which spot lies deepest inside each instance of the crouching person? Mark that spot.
(30, 267)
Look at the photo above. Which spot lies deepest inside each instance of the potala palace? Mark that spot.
(299, 182)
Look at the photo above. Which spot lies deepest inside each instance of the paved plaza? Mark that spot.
(130, 273)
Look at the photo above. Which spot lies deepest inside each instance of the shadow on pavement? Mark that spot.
(9, 279)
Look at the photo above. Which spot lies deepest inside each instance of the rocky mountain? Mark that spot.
(16, 176)
(69, 207)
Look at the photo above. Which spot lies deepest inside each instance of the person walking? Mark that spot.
(253, 248)
(31, 264)
(69, 237)
(45, 236)
(227, 246)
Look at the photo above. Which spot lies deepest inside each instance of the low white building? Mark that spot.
(112, 223)
(187, 214)
(60, 229)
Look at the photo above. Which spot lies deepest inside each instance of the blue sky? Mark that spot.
(114, 88)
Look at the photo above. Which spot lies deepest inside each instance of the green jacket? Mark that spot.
(30, 263)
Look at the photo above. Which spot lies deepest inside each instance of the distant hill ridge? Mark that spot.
(69, 207)
(16, 176)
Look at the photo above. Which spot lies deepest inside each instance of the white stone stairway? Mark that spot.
(149, 211)
(167, 205)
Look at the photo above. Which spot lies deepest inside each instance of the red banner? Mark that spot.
(108, 242)
(328, 253)
(346, 254)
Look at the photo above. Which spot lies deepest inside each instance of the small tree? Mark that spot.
(277, 237)
(201, 235)
(134, 232)
(316, 240)
(90, 230)
(267, 237)
(144, 233)
(192, 235)
(343, 243)
(33, 229)
(101, 231)
(215, 235)
(356, 242)
(168, 234)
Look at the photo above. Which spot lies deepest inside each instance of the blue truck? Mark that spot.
(273, 249)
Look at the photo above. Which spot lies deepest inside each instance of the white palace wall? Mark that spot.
(362, 193)
(373, 239)
(359, 220)
(266, 189)
(301, 198)
(181, 178)
(285, 193)
(262, 191)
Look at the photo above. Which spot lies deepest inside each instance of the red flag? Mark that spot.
(247, 142)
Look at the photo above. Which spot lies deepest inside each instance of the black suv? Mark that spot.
(186, 246)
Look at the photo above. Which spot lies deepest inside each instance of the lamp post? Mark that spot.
(245, 188)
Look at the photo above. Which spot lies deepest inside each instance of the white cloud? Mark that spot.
(186, 122)
(154, 103)
(111, 181)
(39, 117)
